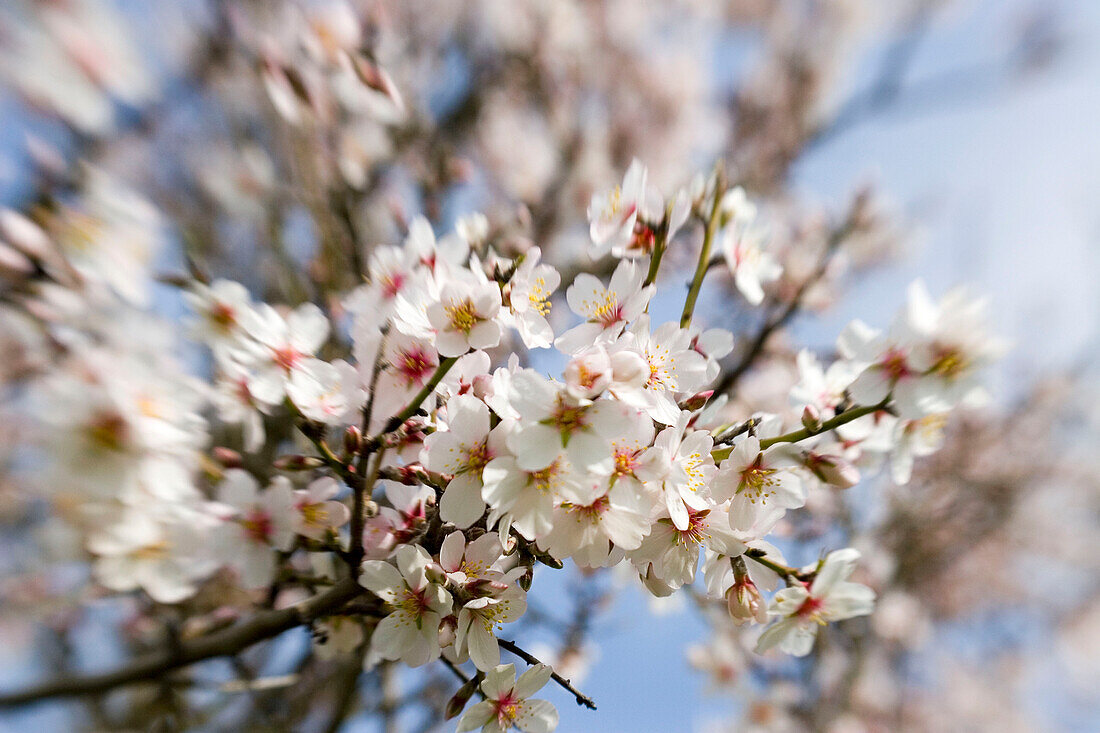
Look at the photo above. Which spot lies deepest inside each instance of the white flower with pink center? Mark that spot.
(606, 310)
(596, 532)
(554, 421)
(507, 702)
(670, 554)
(318, 517)
(416, 605)
(257, 524)
(463, 451)
(465, 316)
(804, 607)
(674, 368)
(679, 469)
(761, 485)
(525, 499)
(613, 214)
(279, 347)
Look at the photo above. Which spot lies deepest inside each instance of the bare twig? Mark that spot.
(154, 665)
(581, 698)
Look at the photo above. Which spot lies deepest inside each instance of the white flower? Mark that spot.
(552, 421)
(481, 616)
(258, 524)
(762, 485)
(823, 389)
(322, 391)
(672, 554)
(742, 245)
(527, 497)
(606, 310)
(589, 531)
(679, 468)
(407, 364)
(160, 551)
(464, 317)
(914, 438)
(410, 632)
(463, 450)
(280, 347)
(830, 597)
(529, 300)
(220, 308)
(317, 516)
(234, 403)
(612, 214)
(506, 704)
(674, 368)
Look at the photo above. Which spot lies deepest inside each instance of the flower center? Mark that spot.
(463, 316)
(757, 481)
(257, 525)
(539, 297)
(950, 362)
(314, 514)
(108, 431)
(286, 357)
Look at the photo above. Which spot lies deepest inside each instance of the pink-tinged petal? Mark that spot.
(451, 551)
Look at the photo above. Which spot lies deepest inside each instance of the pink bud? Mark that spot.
(811, 418)
(696, 401)
(353, 439)
(227, 457)
(745, 603)
(833, 470)
(297, 463)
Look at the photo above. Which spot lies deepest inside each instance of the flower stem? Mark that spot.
(414, 405)
(704, 255)
(853, 413)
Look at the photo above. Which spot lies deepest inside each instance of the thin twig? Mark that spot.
(154, 665)
(581, 698)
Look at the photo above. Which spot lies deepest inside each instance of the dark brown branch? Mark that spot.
(581, 698)
(154, 665)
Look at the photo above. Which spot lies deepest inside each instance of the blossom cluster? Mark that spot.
(440, 469)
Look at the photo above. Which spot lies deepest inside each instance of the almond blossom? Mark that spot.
(410, 632)
(802, 607)
(507, 704)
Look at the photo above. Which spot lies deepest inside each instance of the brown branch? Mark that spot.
(151, 666)
(581, 698)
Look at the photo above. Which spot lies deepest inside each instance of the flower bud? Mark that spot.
(811, 418)
(458, 702)
(745, 603)
(353, 440)
(227, 456)
(833, 470)
(697, 401)
(298, 463)
(482, 386)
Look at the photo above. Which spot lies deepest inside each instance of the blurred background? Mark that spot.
(957, 138)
